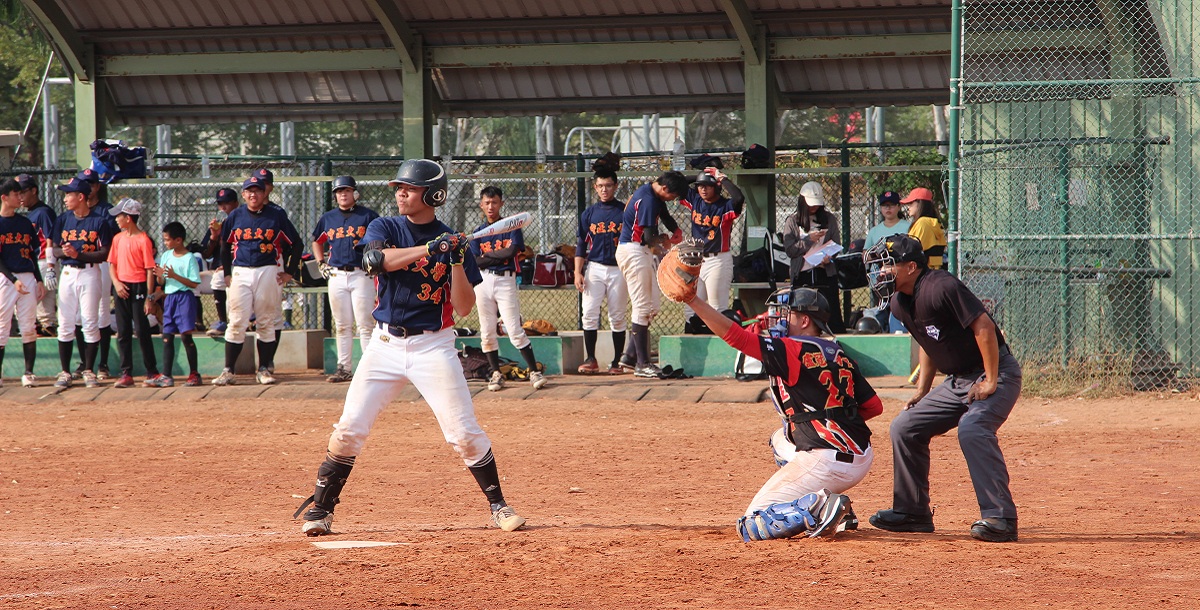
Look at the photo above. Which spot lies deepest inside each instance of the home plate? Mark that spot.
(353, 544)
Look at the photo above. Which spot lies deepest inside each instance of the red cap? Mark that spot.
(918, 193)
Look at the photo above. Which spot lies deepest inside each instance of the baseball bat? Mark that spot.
(504, 225)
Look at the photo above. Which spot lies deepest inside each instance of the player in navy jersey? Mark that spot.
(98, 203)
(260, 252)
(210, 251)
(597, 276)
(267, 179)
(421, 288)
(496, 295)
(42, 216)
(338, 247)
(80, 241)
(20, 279)
(713, 216)
(643, 212)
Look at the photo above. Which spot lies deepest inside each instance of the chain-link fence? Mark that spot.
(1078, 176)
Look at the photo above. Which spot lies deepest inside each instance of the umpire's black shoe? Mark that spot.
(995, 529)
(893, 521)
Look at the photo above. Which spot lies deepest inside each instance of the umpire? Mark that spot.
(957, 336)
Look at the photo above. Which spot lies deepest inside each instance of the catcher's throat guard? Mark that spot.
(880, 275)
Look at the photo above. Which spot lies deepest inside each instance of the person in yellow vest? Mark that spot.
(926, 225)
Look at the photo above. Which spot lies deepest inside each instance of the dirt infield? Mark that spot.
(154, 504)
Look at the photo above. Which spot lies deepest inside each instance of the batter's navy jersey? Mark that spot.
(18, 244)
(600, 231)
(643, 211)
(341, 234)
(42, 217)
(88, 234)
(712, 223)
(495, 243)
(258, 239)
(416, 297)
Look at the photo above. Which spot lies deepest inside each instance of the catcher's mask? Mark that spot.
(881, 260)
(802, 300)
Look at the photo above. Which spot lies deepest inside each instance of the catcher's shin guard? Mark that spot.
(331, 478)
(782, 520)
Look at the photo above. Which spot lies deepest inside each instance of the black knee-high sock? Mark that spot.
(488, 479)
(89, 356)
(631, 347)
(106, 335)
(278, 334)
(493, 358)
(640, 354)
(79, 343)
(30, 350)
(232, 351)
(644, 343)
(1, 359)
(266, 353)
(618, 345)
(527, 354)
(168, 355)
(331, 478)
(189, 348)
(220, 297)
(589, 344)
(64, 355)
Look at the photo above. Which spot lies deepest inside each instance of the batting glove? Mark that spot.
(50, 279)
(458, 254)
(446, 242)
(325, 269)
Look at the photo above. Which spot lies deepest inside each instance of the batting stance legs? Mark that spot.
(429, 361)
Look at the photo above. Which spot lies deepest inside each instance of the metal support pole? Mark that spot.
(845, 223)
(955, 186)
(581, 201)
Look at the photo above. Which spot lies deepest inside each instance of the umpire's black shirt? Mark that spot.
(939, 315)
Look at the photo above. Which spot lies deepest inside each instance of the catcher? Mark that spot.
(824, 446)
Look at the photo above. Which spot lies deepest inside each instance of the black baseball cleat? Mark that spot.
(849, 522)
(995, 529)
(893, 521)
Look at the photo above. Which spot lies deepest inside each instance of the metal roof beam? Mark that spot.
(169, 111)
(406, 42)
(63, 36)
(743, 25)
(482, 56)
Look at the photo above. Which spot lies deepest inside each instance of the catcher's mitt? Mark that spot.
(679, 270)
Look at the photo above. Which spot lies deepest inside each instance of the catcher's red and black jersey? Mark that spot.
(819, 390)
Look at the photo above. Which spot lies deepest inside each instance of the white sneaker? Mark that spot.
(264, 376)
(317, 527)
(225, 378)
(63, 381)
(90, 380)
(28, 380)
(538, 379)
(507, 519)
(496, 382)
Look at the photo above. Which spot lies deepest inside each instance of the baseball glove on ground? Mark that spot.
(679, 270)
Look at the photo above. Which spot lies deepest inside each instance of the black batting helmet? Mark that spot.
(868, 325)
(426, 173)
(706, 179)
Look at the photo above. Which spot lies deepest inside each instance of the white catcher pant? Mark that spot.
(79, 299)
(47, 307)
(430, 363)
(257, 290)
(604, 282)
(351, 300)
(23, 305)
(809, 472)
(716, 276)
(498, 294)
(640, 268)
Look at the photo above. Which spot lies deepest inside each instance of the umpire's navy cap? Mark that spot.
(89, 175)
(256, 182)
(76, 185)
(26, 182)
(264, 175)
(226, 196)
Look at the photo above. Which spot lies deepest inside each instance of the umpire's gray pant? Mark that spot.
(940, 411)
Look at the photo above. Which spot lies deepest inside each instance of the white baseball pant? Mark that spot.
(217, 282)
(809, 472)
(604, 282)
(640, 268)
(351, 300)
(429, 362)
(47, 307)
(23, 305)
(498, 294)
(79, 302)
(254, 290)
(104, 315)
(716, 276)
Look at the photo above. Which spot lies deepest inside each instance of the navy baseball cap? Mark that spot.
(226, 196)
(254, 181)
(264, 175)
(76, 185)
(889, 197)
(902, 248)
(26, 182)
(88, 174)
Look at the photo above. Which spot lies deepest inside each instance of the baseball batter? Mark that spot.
(42, 216)
(20, 279)
(413, 342)
(496, 295)
(260, 252)
(337, 245)
(80, 242)
(713, 216)
(824, 446)
(597, 276)
(644, 210)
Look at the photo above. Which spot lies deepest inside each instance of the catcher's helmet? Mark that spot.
(868, 325)
(423, 173)
(803, 300)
